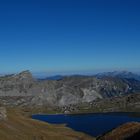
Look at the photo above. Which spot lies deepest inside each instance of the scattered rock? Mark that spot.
(3, 113)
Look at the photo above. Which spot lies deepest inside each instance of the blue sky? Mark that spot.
(69, 36)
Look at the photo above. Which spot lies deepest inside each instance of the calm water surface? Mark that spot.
(92, 124)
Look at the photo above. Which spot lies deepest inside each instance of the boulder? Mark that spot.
(3, 113)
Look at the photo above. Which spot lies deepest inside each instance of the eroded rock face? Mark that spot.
(22, 84)
(74, 90)
(3, 113)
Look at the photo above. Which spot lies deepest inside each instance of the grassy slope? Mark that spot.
(20, 127)
(123, 132)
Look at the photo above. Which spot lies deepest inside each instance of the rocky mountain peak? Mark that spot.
(25, 75)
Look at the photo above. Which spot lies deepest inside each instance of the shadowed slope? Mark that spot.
(128, 131)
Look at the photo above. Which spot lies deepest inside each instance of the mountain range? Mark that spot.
(24, 90)
(120, 74)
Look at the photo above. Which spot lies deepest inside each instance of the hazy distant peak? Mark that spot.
(26, 72)
(120, 74)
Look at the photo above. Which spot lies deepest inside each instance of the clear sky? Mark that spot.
(69, 35)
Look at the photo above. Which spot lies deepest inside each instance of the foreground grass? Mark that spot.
(18, 126)
(128, 131)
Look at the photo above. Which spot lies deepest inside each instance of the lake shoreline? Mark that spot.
(85, 113)
(110, 120)
(19, 126)
(28, 127)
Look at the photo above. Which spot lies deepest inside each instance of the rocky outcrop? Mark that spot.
(22, 84)
(3, 113)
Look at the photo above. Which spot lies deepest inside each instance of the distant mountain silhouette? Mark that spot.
(55, 77)
(120, 74)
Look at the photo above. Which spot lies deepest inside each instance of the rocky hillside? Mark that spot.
(21, 84)
(23, 89)
(128, 131)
